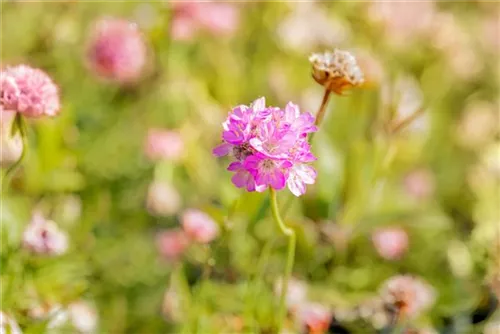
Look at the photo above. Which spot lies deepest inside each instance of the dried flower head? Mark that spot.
(43, 236)
(199, 226)
(337, 71)
(117, 51)
(270, 147)
(29, 91)
(390, 243)
(163, 144)
(171, 244)
(410, 296)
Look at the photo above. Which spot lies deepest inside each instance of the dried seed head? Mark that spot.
(337, 71)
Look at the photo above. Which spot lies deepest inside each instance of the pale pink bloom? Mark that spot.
(191, 17)
(172, 304)
(419, 184)
(55, 315)
(43, 236)
(8, 325)
(164, 144)
(29, 91)
(403, 20)
(199, 226)
(410, 295)
(314, 317)
(83, 316)
(172, 244)
(491, 32)
(163, 199)
(11, 147)
(117, 50)
(296, 293)
(390, 243)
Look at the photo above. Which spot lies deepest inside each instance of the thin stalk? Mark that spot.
(290, 234)
(321, 111)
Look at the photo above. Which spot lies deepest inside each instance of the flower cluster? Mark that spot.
(43, 236)
(270, 147)
(117, 51)
(29, 91)
(337, 71)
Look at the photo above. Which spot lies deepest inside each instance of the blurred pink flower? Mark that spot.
(419, 184)
(11, 147)
(43, 236)
(172, 304)
(8, 324)
(171, 244)
(83, 316)
(163, 199)
(29, 91)
(410, 295)
(116, 50)
(215, 17)
(199, 226)
(314, 317)
(390, 243)
(163, 144)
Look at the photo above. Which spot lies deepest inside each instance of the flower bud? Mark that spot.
(171, 244)
(390, 243)
(43, 236)
(11, 147)
(296, 293)
(163, 144)
(199, 226)
(163, 199)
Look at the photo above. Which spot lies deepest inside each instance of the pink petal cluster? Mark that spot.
(43, 236)
(171, 244)
(190, 17)
(390, 243)
(29, 91)
(270, 146)
(314, 317)
(199, 226)
(116, 50)
(164, 144)
(409, 294)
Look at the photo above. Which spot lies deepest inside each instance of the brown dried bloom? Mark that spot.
(337, 71)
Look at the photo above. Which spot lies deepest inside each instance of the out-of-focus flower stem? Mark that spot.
(322, 108)
(290, 234)
(19, 124)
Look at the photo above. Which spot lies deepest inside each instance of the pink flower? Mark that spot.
(29, 91)
(191, 17)
(163, 144)
(314, 317)
(270, 147)
(419, 184)
(199, 226)
(390, 243)
(117, 50)
(296, 293)
(171, 244)
(410, 295)
(43, 236)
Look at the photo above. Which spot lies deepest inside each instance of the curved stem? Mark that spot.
(290, 233)
(321, 112)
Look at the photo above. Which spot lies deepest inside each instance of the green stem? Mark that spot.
(290, 234)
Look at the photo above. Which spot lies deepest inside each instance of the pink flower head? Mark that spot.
(270, 147)
(191, 17)
(117, 50)
(171, 244)
(199, 226)
(410, 295)
(43, 236)
(314, 317)
(29, 91)
(390, 243)
(163, 144)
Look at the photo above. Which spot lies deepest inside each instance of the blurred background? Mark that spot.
(408, 168)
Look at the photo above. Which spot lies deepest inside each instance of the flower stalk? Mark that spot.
(290, 234)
